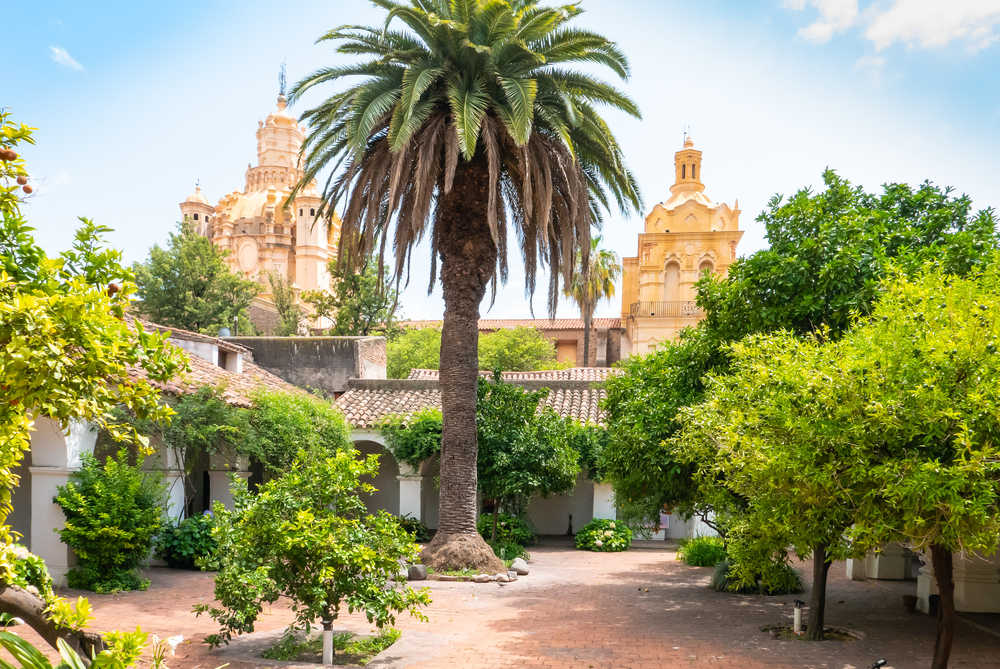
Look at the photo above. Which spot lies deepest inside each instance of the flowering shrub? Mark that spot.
(510, 529)
(604, 535)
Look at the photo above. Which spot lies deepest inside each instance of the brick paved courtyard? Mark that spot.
(636, 609)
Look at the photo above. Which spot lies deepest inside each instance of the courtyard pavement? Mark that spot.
(637, 609)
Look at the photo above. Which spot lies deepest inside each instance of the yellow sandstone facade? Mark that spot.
(683, 237)
(260, 233)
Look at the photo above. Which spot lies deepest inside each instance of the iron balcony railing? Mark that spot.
(688, 309)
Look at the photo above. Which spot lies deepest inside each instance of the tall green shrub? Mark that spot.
(281, 423)
(113, 511)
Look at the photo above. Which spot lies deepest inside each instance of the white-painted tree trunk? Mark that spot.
(327, 642)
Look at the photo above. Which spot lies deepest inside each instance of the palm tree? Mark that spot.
(592, 284)
(463, 128)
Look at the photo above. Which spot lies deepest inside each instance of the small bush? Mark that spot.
(421, 533)
(778, 579)
(112, 511)
(702, 551)
(89, 578)
(604, 535)
(189, 544)
(510, 530)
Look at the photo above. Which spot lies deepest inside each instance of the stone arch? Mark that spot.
(386, 481)
(707, 261)
(672, 280)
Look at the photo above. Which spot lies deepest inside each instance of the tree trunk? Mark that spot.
(942, 560)
(31, 609)
(817, 597)
(327, 642)
(468, 261)
(588, 319)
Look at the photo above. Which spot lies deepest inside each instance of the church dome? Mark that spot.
(281, 116)
(196, 197)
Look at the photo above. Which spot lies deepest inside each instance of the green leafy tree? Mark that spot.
(204, 424)
(413, 349)
(278, 424)
(290, 314)
(360, 303)
(413, 438)
(642, 407)
(470, 125)
(522, 451)
(519, 349)
(771, 432)
(113, 510)
(828, 251)
(66, 352)
(188, 285)
(593, 281)
(306, 536)
(923, 370)
(887, 434)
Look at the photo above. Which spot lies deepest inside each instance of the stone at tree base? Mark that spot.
(519, 566)
(402, 574)
(482, 578)
(448, 552)
(502, 578)
(417, 572)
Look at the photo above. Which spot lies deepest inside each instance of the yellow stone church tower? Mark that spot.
(262, 234)
(685, 236)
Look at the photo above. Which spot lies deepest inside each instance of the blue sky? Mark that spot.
(134, 101)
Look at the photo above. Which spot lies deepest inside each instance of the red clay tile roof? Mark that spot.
(593, 374)
(367, 401)
(237, 389)
(487, 324)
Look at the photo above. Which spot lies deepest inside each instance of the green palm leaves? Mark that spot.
(466, 81)
(589, 288)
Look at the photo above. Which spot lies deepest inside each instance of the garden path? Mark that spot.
(637, 609)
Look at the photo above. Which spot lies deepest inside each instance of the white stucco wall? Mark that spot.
(54, 456)
(551, 515)
(203, 350)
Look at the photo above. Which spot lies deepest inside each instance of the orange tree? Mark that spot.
(67, 352)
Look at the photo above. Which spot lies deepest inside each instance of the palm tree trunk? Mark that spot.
(468, 261)
(588, 320)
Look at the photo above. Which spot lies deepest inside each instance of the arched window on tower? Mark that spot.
(672, 282)
(196, 217)
(684, 171)
(694, 171)
(706, 266)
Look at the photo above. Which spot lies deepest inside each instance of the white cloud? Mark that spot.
(935, 23)
(834, 16)
(870, 63)
(62, 57)
(915, 23)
